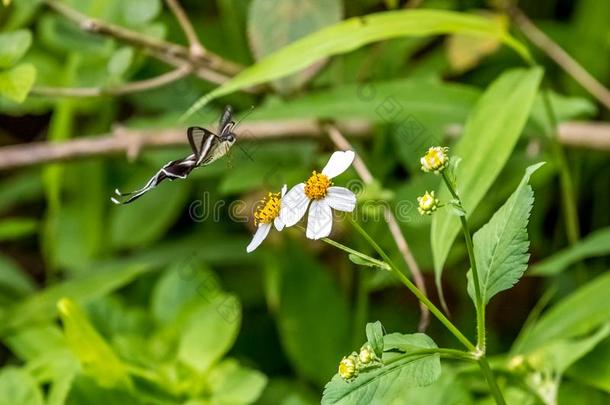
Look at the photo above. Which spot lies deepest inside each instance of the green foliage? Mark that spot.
(501, 245)
(353, 33)
(491, 132)
(406, 364)
(13, 45)
(17, 387)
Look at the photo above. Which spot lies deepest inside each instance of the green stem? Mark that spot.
(420, 296)
(570, 213)
(480, 307)
(348, 249)
(445, 353)
(491, 381)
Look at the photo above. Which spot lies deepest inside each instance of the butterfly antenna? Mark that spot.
(245, 115)
(245, 151)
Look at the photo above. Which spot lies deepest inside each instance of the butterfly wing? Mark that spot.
(226, 124)
(201, 141)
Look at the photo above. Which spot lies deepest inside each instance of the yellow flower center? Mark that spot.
(317, 185)
(268, 209)
(426, 201)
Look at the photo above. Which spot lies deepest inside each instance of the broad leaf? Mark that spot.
(595, 244)
(234, 384)
(96, 356)
(354, 33)
(13, 45)
(500, 247)
(15, 83)
(490, 135)
(581, 312)
(17, 387)
(210, 332)
(403, 368)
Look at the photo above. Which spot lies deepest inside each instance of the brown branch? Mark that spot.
(130, 142)
(208, 59)
(561, 57)
(196, 48)
(401, 243)
(132, 87)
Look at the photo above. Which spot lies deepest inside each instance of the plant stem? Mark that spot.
(420, 296)
(347, 249)
(446, 353)
(570, 213)
(491, 381)
(480, 307)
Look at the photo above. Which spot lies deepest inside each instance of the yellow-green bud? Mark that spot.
(366, 354)
(435, 160)
(427, 203)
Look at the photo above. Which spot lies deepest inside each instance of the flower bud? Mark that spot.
(348, 367)
(435, 160)
(427, 203)
(366, 355)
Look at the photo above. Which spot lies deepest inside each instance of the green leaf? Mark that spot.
(400, 372)
(42, 306)
(583, 311)
(14, 282)
(273, 24)
(15, 83)
(120, 61)
(354, 33)
(210, 332)
(490, 135)
(593, 369)
(138, 12)
(500, 247)
(15, 228)
(13, 45)
(17, 387)
(96, 356)
(596, 244)
(235, 384)
(374, 335)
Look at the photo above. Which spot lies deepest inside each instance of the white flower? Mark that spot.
(323, 196)
(266, 213)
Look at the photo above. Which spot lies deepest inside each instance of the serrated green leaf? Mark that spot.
(500, 247)
(490, 135)
(400, 372)
(595, 244)
(15, 83)
(374, 335)
(354, 33)
(96, 356)
(13, 45)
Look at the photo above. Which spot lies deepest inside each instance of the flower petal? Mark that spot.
(294, 205)
(284, 188)
(341, 199)
(259, 236)
(320, 220)
(338, 163)
(279, 225)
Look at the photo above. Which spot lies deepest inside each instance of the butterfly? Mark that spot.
(207, 147)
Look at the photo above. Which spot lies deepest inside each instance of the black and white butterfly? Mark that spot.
(206, 146)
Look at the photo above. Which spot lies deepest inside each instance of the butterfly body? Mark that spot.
(207, 147)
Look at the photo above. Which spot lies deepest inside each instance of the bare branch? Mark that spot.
(133, 87)
(196, 48)
(86, 23)
(130, 142)
(561, 57)
(339, 140)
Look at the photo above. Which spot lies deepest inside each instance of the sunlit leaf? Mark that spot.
(17, 387)
(15, 83)
(13, 45)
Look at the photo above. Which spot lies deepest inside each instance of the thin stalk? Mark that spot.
(480, 308)
(420, 296)
(491, 381)
(570, 213)
(361, 255)
(446, 353)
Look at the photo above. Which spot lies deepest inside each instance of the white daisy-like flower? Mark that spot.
(267, 213)
(323, 196)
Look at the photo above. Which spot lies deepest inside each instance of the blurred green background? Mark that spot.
(158, 302)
